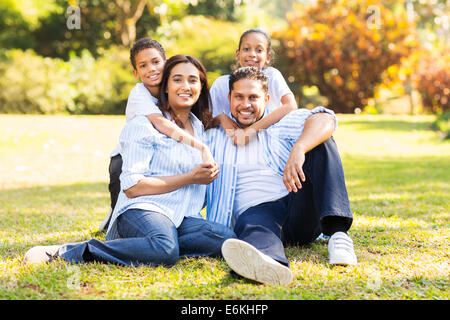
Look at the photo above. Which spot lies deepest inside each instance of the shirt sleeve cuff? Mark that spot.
(129, 180)
(329, 111)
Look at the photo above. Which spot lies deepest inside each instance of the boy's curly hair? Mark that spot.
(142, 44)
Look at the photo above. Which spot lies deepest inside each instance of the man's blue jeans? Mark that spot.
(299, 218)
(151, 238)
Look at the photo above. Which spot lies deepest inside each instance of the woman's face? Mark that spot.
(183, 86)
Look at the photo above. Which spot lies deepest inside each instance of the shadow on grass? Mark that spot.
(37, 215)
(402, 188)
(72, 193)
(388, 124)
(407, 187)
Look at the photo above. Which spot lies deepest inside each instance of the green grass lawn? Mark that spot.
(53, 189)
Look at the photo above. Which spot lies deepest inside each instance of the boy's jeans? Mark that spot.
(151, 238)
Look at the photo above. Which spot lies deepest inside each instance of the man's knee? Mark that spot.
(327, 147)
(245, 220)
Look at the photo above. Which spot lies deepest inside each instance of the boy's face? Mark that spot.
(248, 101)
(149, 67)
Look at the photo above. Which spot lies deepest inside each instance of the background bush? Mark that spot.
(442, 124)
(89, 84)
(198, 36)
(102, 85)
(83, 85)
(34, 84)
(343, 48)
(433, 81)
(347, 55)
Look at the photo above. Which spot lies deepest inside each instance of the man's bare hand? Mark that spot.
(293, 173)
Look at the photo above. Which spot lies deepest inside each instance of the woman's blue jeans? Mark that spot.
(151, 238)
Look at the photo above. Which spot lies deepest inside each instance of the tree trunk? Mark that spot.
(130, 13)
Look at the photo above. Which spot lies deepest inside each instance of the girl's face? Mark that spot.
(149, 67)
(253, 51)
(183, 86)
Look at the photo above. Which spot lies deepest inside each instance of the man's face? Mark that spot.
(247, 101)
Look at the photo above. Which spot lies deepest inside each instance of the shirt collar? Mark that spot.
(196, 123)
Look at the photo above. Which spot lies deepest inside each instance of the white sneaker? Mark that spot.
(340, 249)
(41, 254)
(251, 263)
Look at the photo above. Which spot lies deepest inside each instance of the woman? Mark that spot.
(157, 217)
(147, 58)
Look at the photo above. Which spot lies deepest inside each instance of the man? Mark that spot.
(285, 186)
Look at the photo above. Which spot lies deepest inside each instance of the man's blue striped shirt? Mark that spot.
(276, 143)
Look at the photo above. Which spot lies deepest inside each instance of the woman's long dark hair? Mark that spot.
(201, 108)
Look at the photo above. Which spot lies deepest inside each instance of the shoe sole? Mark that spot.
(37, 255)
(250, 263)
(342, 262)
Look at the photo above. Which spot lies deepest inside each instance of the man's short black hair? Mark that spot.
(142, 44)
(251, 73)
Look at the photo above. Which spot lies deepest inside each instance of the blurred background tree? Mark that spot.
(197, 36)
(433, 81)
(331, 52)
(343, 47)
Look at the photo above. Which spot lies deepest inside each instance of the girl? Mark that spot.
(254, 49)
(147, 58)
(157, 218)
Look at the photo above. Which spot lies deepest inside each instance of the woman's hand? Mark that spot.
(204, 173)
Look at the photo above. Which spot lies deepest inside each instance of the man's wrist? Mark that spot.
(300, 147)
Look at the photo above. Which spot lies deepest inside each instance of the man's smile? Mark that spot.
(246, 113)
